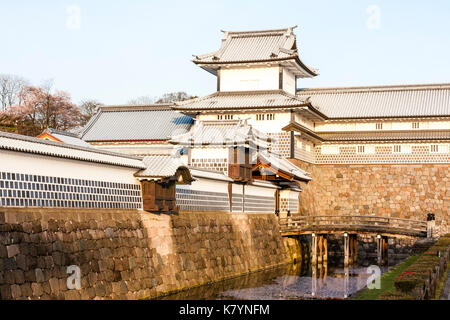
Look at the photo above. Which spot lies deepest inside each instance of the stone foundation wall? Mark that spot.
(129, 254)
(298, 248)
(399, 191)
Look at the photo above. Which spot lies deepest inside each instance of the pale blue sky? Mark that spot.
(125, 49)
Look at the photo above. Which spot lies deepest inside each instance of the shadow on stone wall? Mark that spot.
(128, 254)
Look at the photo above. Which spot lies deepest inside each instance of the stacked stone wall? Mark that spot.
(129, 254)
(398, 191)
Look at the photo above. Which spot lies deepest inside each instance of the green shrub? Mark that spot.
(418, 272)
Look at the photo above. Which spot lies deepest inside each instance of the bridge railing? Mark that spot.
(303, 224)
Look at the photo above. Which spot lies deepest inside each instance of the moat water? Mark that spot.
(290, 282)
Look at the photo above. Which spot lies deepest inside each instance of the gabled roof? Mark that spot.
(238, 100)
(278, 45)
(20, 143)
(162, 166)
(63, 136)
(222, 133)
(136, 123)
(426, 100)
(279, 165)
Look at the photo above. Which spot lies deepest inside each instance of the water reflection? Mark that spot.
(290, 282)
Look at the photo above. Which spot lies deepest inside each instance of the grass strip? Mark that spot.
(387, 281)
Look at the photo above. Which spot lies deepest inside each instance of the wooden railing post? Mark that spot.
(430, 225)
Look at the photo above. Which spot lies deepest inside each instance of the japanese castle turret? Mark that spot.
(374, 150)
(257, 75)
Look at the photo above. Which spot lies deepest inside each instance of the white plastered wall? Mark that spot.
(282, 119)
(27, 163)
(289, 82)
(209, 153)
(387, 125)
(248, 79)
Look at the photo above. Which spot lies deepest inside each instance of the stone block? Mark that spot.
(72, 295)
(39, 274)
(54, 285)
(37, 289)
(12, 250)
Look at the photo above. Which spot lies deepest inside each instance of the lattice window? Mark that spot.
(379, 126)
(438, 148)
(415, 125)
(360, 149)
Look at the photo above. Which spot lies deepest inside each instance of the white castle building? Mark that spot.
(344, 133)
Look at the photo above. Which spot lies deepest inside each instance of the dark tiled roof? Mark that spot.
(16, 142)
(67, 137)
(137, 123)
(381, 101)
(256, 46)
(223, 133)
(238, 100)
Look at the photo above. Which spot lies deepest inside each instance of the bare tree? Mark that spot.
(165, 98)
(89, 107)
(143, 100)
(174, 96)
(10, 89)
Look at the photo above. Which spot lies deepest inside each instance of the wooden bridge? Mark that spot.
(350, 227)
(297, 225)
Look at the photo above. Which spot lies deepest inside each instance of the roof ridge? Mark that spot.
(149, 106)
(16, 136)
(259, 31)
(180, 103)
(61, 132)
(90, 123)
(249, 91)
(394, 87)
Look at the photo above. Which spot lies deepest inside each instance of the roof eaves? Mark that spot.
(62, 145)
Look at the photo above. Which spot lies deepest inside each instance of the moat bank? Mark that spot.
(125, 254)
(300, 281)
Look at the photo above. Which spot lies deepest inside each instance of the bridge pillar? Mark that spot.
(382, 250)
(320, 244)
(346, 281)
(319, 250)
(355, 248)
(346, 249)
(350, 249)
(314, 249)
